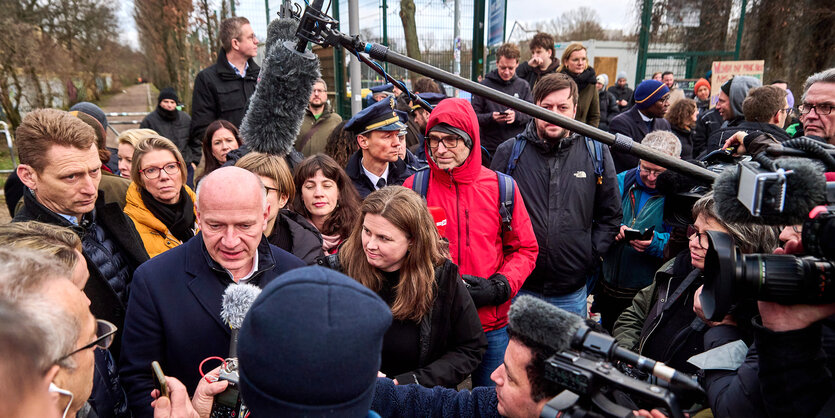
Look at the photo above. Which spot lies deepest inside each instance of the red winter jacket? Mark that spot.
(469, 194)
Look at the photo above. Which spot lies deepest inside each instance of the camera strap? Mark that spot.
(681, 288)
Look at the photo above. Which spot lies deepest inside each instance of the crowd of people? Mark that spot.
(390, 247)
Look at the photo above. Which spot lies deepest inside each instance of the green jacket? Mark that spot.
(323, 126)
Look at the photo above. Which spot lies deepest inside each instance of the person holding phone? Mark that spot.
(637, 253)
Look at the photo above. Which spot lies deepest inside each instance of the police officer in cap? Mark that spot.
(377, 163)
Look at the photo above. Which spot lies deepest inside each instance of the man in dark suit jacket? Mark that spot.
(174, 308)
(651, 103)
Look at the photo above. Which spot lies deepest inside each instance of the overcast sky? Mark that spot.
(614, 14)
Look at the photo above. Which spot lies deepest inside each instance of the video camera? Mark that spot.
(785, 192)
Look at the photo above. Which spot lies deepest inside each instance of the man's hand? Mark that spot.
(535, 61)
(777, 317)
(179, 406)
(697, 309)
(204, 395)
(500, 117)
(622, 103)
(510, 116)
(640, 246)
(736, 141)
(621, 233)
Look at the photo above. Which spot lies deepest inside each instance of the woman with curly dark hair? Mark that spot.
(341, 145)
(326, 198)
(682, 116)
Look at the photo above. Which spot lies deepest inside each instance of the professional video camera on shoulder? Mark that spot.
(582, 366)
(787, 191)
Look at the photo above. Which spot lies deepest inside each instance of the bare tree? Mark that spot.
(407, 16)
(163, 27)
(579, 24)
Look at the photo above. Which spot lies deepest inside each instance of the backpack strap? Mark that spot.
(596, 152)
(518, 146)
(507, 196)
(421, 183)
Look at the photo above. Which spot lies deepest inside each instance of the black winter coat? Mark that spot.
(532, 75)
(292, 233)
(708, 122)
(575, 220)
(623, 93)
(104, 302)
(219, 93)
(398, 173)
(718, 137)
(174, 315)
(632, 125)
(492, 132)
(177, 131)
(686, 139)
(452, 340)
(608, 109)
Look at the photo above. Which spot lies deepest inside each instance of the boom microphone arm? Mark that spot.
(326, 33)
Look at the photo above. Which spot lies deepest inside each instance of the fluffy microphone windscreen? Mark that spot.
(543, 324)
(281, 30)
(805, 189)
(276, 109)
(237, 298)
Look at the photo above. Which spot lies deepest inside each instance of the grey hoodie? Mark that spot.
(740, 85)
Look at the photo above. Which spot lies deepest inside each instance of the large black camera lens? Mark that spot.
(787, 279)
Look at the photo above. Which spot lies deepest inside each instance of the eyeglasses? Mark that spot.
(822, 109)
(652, 172)
(272, 189)
(450, 141)
(151, 173)
(798, 229)
(104, 337)
(700, 236)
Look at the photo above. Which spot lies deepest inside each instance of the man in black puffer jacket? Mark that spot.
(173, 124)
(496, 122)
(60, 167)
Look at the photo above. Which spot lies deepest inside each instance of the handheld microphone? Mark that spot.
(306, 25)
(439, 216)
(805, 189)
(549, 326)
(236, 302)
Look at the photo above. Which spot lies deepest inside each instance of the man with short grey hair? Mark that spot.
(318, 123)
(41, 285)
(816, 107)
(631, 262)
(174, 307)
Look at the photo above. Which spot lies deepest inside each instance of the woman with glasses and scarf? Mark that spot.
(661, 323)
(158, 201)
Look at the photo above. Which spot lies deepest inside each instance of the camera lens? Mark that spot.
(785, 279)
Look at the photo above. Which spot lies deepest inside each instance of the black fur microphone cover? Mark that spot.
(805, 189)
(276, 109)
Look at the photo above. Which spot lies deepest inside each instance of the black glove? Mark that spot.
(492, 291)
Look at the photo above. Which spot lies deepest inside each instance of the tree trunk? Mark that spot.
(407, 16)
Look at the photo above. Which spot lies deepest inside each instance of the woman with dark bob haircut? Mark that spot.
(395, 250)
(326, 197)
(220, 138)
(682, 116)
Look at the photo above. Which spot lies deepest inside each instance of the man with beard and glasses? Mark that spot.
(318, 123)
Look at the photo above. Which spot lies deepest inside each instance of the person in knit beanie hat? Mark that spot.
(651, 104)
(702, 91)
(310, 346)
(173, 124)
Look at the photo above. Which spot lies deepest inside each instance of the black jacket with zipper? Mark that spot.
(575, 220)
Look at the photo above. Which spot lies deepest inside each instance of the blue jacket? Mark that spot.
(405, 401)
(173, 315)
(623, 267)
